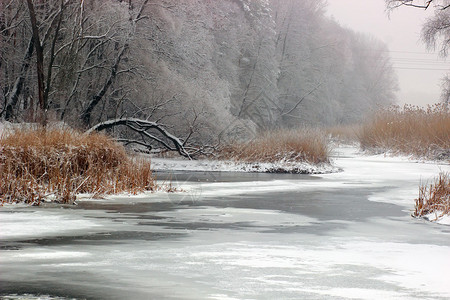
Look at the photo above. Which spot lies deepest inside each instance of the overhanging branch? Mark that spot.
(142, 127)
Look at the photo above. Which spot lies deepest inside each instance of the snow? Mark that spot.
(438, 217)
(261, 217)
(51, 254)
(404, 174)
(206, 190)
(177, 164)
(19, 225)
(32, 297)
(444, 220)
(372, 169)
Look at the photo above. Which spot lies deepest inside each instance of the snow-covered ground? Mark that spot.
(346, 235)
(2, 128)
(405, 175)
(204, 165)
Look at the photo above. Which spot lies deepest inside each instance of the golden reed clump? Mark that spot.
(301, 145)
(435, 198)
(410, 130)
(38, 164)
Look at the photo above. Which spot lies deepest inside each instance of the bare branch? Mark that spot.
(301, 100)
(86, 113)
(142, 127)
(393, 4)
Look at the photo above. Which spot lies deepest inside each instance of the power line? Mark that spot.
(422, 64)
(412, 52)
(402, 51)
(419, 60)
(427, 69)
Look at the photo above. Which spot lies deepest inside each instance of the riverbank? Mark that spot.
(207, 165)
(373, 168)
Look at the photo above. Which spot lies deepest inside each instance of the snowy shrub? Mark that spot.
(434, 200)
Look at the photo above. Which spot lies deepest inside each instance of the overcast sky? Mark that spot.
(419, 71)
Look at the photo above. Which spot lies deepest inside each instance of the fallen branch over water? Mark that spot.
(143, 128)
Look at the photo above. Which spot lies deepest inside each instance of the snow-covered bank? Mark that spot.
(438, 217)
(404, 173)
(204, 165)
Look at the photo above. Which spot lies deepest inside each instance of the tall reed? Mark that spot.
(38, 164)
(301, 145)
(435, 198)
(409, 130)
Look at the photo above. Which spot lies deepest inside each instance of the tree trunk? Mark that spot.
(39, 62)
(18, 84)
(86, 114)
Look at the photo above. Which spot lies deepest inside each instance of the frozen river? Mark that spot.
(345, 235)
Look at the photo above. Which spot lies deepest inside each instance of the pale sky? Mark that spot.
(419, 71)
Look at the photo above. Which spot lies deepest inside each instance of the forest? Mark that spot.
(206, 70)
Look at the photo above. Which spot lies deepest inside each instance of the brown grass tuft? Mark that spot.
(302, 145)
(410, 130)
(435, 198)
(37, 164)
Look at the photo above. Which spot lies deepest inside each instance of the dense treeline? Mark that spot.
(207, 68)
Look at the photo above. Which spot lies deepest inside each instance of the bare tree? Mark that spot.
(14, 63)
(445, 93)
(13, 98)
(436, 29)
(392, 4)
(44, 86)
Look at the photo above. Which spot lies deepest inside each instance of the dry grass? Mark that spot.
(38, 164)
(302, 145)
(434, 199)
(410, 130)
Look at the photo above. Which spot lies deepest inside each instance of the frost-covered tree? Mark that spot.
(327, 74)
(208, 70)
(435, 31)
(445, 94)
(74, 43)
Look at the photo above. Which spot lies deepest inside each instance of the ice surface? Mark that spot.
(277, 238)
(31, 224)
